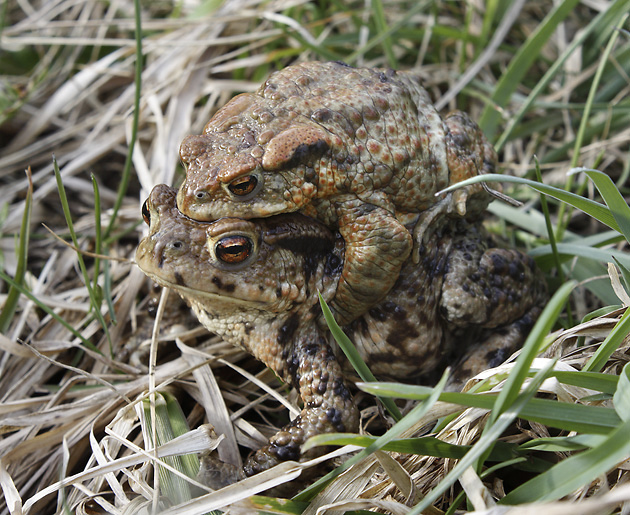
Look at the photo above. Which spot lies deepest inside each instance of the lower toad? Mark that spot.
(467, 303)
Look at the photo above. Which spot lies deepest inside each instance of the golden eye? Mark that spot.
(146, 214)
(243, 185)
(233, 249)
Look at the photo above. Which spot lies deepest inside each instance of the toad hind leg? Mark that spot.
(377, 245)
(311, 367)
(494, 347)
(489, 287)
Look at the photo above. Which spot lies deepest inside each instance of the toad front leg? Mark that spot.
(377, 245)
(307, 363)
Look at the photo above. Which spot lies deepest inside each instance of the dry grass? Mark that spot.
(73, 395)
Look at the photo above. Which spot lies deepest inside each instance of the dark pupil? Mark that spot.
(146, 215)
(234, 249)
(243, 185)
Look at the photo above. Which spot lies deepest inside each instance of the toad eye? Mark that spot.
(243, 185)
(146, 214)
(233, 249)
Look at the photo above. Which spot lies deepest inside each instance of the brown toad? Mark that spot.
(255, 283)
(354, 148)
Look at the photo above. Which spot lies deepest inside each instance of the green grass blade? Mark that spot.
(563, 443)
(612, 197)
(586, 113)
(98, 240)
(381, 26)
(605, 383)
(614, 339)
(415, 9)
(621, 399)
(527, 53)
(49, 311)
(519, 373)
(491, 434)
(95, 300)
(601, 23)
(570, 417)
(405, 424)
(572, 250)
(590, 207)
(170, 422)
(13, 296)
(348, 348)
(576, 471)
(126, 175)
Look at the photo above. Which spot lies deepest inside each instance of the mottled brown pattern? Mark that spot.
(354, 148)
(465, 303)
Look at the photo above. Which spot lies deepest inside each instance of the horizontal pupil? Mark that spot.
(234, 248)
(244, 185)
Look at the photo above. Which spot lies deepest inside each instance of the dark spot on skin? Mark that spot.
(310, 175)
(286, 332)
(333, 265)
(322, 115)
(306, 153)
(525, 323)
(293, 364)
(312, 349)
(315, 310)
(404, 331)
(178, 278)
(336, 419)
(395, 311)
(310, 265)
(499, 263)
(306, 244)
(229, 288)
(384, 357)
(514, 270)
(378, 314)
(368, 208)
(360, 326)
(460, 139)
(340, 390)
(289, 452)
(496, 357)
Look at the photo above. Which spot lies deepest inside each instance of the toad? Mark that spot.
(354, 148)
(466, 303)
